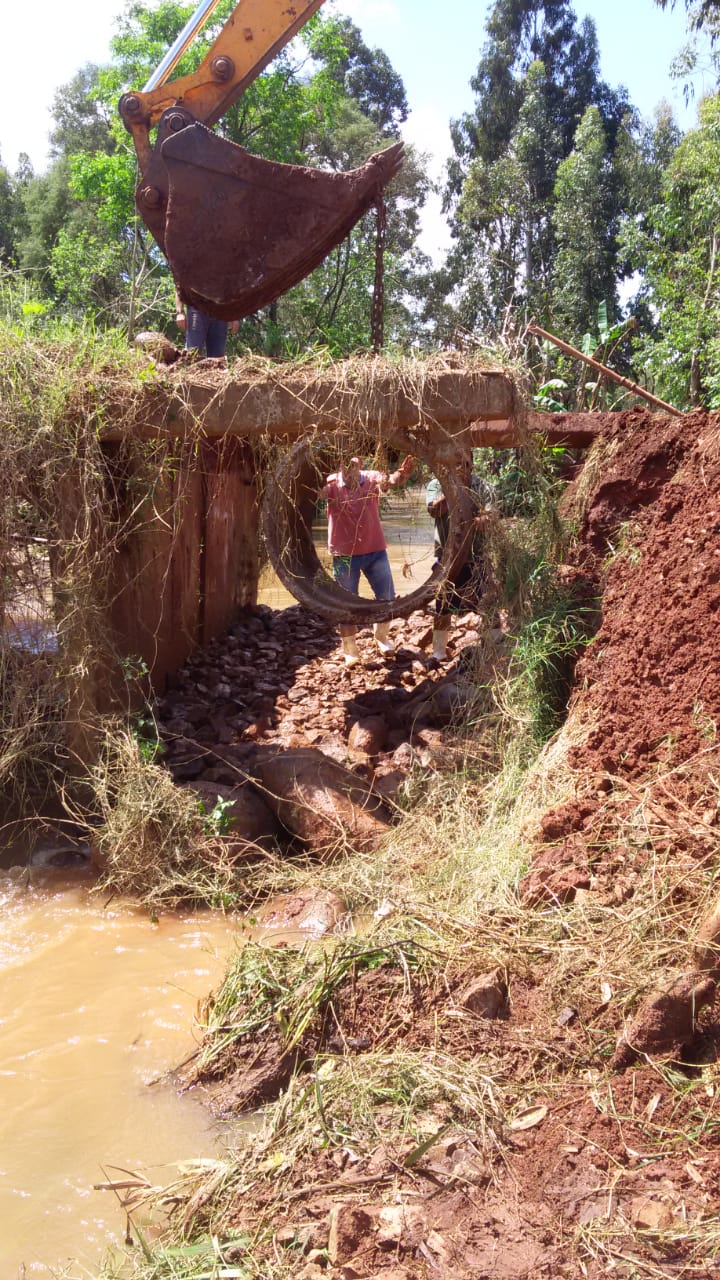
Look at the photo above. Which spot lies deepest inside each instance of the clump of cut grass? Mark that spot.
(598, 460)
(401, 1103)
(550, 617)
(289, 991)
(690, 1247)
(31, 740)
(152, 837)
(544, 655)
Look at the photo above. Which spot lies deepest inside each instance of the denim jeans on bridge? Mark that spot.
(204, 332)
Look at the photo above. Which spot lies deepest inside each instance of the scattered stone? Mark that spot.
(368, 737)
(403, 756)
(245, 818)
(277, 680)
(312, 1271)
(706, 952)
(400, 1226)
(285, 1235)
(351, 1226)
(60, 851)
(556, 874)
(387, 783)
(188, 769)
(311, 911)
(649, 1214)
(487, 996)
(667, 1022)
(158, 347)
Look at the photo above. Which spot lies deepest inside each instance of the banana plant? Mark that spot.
(601, 346)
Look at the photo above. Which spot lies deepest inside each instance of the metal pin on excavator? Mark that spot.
(237, 230)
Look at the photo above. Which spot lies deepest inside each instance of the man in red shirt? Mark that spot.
(356, 540)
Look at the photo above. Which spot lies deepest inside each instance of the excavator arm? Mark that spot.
(237, 230)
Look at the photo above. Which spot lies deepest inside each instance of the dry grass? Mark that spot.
(152, 838)
(60, 531)
(446, 883)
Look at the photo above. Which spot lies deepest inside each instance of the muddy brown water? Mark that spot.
(96, 1004)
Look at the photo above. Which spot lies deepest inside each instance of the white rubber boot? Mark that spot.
(350, 651)
(440, 639)
(382, 638)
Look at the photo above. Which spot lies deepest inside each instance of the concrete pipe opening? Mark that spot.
(289, 506)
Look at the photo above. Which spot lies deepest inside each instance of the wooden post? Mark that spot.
(230, 560)
(603, 368)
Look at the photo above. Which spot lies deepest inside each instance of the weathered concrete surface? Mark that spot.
(574, 430)
(283, 404)
(448, 397)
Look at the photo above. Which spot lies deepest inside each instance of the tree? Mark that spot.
(8, 218)
(505, 204)
(81, 119)
(676, 246)
(368, 77)
(703, 15)
(332, 306)
(50, 209)
(538, 73)
(585, 223)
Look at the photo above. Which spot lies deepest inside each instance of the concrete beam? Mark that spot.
(438, 401)
(574, 430)
(374, 400)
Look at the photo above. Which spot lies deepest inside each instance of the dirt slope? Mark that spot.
(648, 687)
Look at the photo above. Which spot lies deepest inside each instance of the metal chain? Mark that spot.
(377, 317)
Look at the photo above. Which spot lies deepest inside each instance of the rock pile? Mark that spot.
(326, 749)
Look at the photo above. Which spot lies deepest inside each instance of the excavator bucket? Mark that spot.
(239, 230)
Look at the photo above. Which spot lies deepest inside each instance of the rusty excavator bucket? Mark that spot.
(240, 230)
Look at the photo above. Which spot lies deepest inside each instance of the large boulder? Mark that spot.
(308, 912)
(325, 805)
(367, 737)
(242, 816)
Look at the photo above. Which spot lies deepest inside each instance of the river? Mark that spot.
(96, 1003)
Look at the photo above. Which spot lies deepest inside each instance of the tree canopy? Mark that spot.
(564, 205)
(326, 99)
(537, 77)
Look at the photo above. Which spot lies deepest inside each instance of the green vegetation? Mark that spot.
(562, 201)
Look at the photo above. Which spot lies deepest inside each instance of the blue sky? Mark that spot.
(437, 56)
(434, 47)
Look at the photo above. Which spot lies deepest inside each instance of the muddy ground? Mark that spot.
(616, 1171)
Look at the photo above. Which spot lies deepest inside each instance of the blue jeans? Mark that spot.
(376, 568)
(203, 331)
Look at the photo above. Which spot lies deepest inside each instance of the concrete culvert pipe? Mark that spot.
(289, 505)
